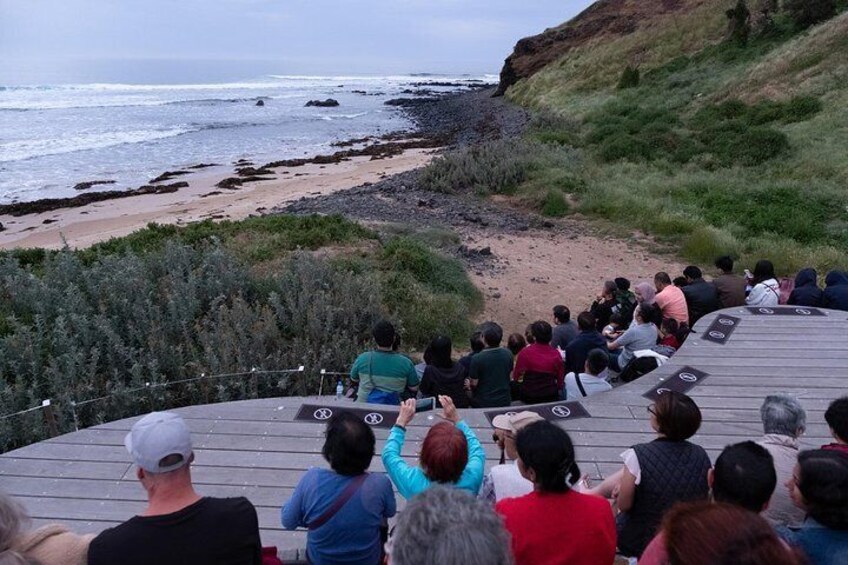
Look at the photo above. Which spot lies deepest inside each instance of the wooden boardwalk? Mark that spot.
(256, 449)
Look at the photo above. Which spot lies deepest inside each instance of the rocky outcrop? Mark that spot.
(88, 184)
(260, 102)
(328, 103)
(49, 204)
(611, 18)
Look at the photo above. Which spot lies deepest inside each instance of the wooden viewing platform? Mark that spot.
(255, 448)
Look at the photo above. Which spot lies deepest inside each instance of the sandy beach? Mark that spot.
(87, 225)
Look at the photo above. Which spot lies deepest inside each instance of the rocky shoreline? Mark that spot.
(440, 121)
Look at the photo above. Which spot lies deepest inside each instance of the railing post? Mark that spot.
(50, 418)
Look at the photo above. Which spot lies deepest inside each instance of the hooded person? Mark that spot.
(835, 294)
(806, 291)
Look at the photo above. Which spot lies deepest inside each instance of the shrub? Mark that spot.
(806, 13)
(494, 167)
(629, 78)
(740, 26)
(623, 147)
(103, 325)
(735, 142)
(554, 205)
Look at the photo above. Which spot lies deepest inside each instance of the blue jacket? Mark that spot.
(821, 545)
(836, 294)
(807, 291)
(579, 348)
(412, 480)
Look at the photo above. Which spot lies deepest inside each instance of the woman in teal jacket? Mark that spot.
(450, 454)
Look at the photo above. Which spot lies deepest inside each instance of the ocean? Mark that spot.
(54, 136)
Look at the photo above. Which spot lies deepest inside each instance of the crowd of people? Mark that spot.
(763, 501)
(623, 335)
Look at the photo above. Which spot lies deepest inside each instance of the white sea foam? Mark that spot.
(28, 149)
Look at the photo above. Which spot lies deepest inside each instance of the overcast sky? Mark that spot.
(303, 36)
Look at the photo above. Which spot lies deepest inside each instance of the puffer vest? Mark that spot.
(672, 471)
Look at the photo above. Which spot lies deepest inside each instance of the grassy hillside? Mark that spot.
(720, 147)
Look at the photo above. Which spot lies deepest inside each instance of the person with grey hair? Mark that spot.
(49, 545)
(784, 420)
(448, 526)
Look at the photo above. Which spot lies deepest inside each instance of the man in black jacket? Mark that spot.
(701, 296)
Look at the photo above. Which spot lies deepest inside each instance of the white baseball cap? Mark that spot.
(155, 437)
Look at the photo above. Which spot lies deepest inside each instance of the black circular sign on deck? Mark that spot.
(721, 329)
(323, 414)
(373, 418)
(785, 311)
(682, 381)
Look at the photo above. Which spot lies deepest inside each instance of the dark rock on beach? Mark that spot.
(328, 103)
(203, 166)
(88, 184)
(168, 175)
(260, 102)
(49, 204)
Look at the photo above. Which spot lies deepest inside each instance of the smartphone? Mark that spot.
(425, 404)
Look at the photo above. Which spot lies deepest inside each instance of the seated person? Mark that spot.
(590, 381)
(491, 370)
(784, 420)
(819, 486)
(515, 343)
(835, 295)
(641, 336)
(444, 377)
(668, 334)
(505, 480)
(806, 292)
(704, 533)
(383, 374)
(588, 339)
(539, 368)
(565, 329)
(743, 476)
(52, 544)
(178, 526)
(477, 345)
(730, 287)
(602, 307)
(701, 296)
(670, 299)
(614, 329)
(450, 454)
(350, 532)
(447, 526)
(555, 524)
(765, 290)
(625, 300)
(836, 417)
(658, 474)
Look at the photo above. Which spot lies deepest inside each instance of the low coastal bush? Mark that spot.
(123, 323)
(494, 167)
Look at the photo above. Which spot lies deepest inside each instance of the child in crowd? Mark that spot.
(668, 333)
(614, 329)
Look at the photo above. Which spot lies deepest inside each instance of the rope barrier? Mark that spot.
(41, 406)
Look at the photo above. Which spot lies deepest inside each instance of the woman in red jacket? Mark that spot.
(555, 524)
